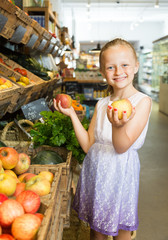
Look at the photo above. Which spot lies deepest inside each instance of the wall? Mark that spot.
(145, 33)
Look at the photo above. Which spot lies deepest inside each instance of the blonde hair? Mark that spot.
(115, 42)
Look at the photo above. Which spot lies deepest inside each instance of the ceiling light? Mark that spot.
(96, 50)
(157, 4)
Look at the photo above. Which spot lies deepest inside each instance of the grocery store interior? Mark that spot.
(48, 47)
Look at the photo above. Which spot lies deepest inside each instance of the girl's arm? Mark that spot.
(125, 132)
(85, 138)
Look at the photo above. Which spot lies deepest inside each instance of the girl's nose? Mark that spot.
(118, 70)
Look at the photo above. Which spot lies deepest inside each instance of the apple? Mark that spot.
(66, 100)
(12, 174)
(9, 210)
(40, 215)
(6, 237)
(122, 105)
(47, 175)
(20, 187)
(9, 157)
(28, 177)
(39, 185)
(25, 227)
(3, 198)
(2, 81)
(21, 176)
(1, 168)
(23, 163)
(7, 184)
(29, 200)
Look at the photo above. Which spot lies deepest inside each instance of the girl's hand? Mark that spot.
(67, 111)
(113, 117)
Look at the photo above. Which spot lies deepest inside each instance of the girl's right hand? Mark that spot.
(66, 111)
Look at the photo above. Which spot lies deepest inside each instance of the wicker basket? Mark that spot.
(12, 136)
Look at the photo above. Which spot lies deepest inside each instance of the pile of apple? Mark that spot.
(20, 193)
(5, 83)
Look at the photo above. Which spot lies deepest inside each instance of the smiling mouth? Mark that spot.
(119, 79)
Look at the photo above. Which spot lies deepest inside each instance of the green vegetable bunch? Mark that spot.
(57, 130)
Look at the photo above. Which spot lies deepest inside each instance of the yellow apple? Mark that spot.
(47, 175)
(7, 184)
(39, 185)
(122, 105)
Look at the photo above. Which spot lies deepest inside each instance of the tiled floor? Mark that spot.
(153, 196)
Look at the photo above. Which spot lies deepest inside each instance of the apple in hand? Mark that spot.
(29, 200)
(39, 185)
(7, 184)
(6, 237)
(9, 157)
(23, 163)
(47, 175)
(20, 187)
(122, 105)
(26, 226)
(65, 99)
(9, 210)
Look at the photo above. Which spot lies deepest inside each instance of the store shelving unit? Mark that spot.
(160, 71)
(145, 71)
(50, 18)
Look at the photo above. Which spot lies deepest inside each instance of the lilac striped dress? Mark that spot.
(107, 191)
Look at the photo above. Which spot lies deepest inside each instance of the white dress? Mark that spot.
(107, 190)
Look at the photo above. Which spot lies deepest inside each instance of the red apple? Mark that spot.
(25, 227)
(122, 105)
(66, 100)
(29, 200)
(40, 215)
(28, 177)
(3, 198)
(47, 175)
(39, 185)
(20, 187)
(21, 176)
(7, 184)
(23, 163)
(6, 237)
(9, 210)
(9, 157)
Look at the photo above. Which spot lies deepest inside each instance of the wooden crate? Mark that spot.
(4, 104)
(9, 7)
(50, 204)
(9, 92)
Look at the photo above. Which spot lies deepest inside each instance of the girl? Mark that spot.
(107, 190)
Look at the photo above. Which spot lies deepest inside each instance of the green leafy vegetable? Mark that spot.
(57, 130)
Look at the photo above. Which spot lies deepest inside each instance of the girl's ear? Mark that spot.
(136, 67)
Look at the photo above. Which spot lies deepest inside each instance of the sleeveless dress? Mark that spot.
(107, 192)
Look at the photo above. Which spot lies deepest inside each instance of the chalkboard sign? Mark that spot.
(32, 110)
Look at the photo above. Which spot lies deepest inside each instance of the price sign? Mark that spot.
(32, 110)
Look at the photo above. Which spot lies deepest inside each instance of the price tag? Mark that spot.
(32, 110)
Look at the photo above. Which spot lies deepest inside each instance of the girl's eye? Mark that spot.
(110, 67)
(125, 65)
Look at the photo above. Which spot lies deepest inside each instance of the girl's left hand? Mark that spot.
(113, 117)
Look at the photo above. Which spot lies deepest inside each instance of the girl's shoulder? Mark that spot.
(137, 97)
(103, 101)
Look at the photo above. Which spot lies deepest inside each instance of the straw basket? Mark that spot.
(12, 136)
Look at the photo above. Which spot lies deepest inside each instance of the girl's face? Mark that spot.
(119, 66)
